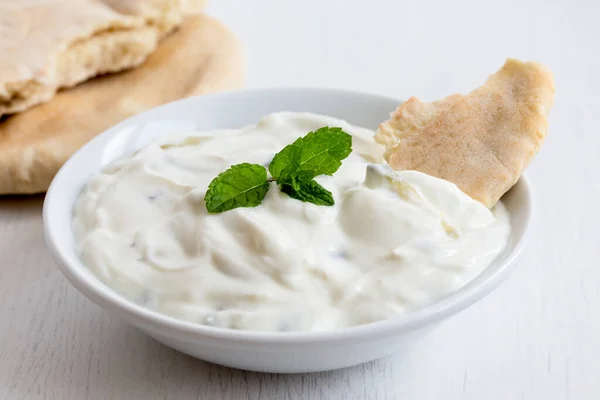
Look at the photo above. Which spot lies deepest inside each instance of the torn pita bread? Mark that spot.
(201, 57)
(481, 141)
(46, 45)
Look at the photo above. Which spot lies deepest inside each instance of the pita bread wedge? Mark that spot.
(202, 56)
(481, 141)
(50, 44)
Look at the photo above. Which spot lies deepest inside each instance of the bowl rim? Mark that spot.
(168, 326)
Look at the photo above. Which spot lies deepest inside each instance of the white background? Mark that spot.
(536, 337)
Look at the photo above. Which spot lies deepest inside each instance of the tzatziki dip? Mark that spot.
(393, 241)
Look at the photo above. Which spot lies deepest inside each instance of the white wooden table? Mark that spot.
(536, 337)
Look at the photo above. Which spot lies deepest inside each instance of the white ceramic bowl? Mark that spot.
(271, 352)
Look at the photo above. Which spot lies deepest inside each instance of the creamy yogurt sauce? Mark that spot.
(393, 241)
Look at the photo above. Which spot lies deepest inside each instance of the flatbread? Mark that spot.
(201, 57)
(50, 44)
(481, 141)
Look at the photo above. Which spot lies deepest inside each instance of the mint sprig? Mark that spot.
(318, 153)
(242, 185)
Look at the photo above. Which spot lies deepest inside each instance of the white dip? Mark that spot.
(392, 242)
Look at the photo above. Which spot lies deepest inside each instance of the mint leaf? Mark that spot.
(242, 185)
(308, 191)
(286, 161)
(318, 153)
(323, 150)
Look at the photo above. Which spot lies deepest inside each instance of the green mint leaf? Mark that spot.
(318, 153)
(308, 191)
(286, 161)
(242, 185)
(323, 151)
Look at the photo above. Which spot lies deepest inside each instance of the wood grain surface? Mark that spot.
(535, 337)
